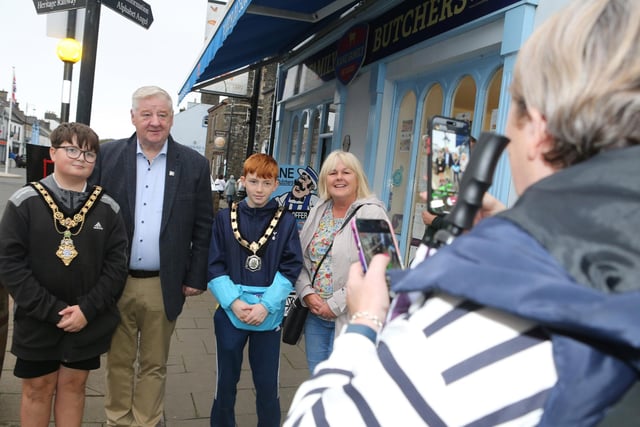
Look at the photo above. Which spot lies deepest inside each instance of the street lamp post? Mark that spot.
(9, 136)
(69, 51)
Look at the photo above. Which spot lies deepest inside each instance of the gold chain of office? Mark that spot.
(67, 250)
(254, 262)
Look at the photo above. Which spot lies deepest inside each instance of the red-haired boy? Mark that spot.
(254, 259)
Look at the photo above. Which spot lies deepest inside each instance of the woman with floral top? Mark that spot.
(343, 188)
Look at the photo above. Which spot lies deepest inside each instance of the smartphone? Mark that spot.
(375, 236)
(447, 160)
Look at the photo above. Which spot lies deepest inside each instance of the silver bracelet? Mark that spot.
(366, 315)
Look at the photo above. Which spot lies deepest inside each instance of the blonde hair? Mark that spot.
(581, 70)
(351, 162)
(145, 92)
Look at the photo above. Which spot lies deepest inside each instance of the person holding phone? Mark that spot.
(344, 192)
(538, 304)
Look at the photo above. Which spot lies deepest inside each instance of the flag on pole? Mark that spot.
(14, 88)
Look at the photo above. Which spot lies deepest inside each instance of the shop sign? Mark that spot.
(350, 53)
(323, 63)
(409, 23)
(415, 21)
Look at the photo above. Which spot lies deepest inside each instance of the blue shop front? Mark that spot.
(370, 80)
(372, 86)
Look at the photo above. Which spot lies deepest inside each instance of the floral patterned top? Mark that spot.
(320, 242)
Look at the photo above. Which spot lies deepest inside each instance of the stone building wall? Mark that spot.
(229, 119)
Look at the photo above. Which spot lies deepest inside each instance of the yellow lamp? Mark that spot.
(69, 50)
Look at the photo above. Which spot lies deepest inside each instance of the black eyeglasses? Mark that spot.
(74, 153)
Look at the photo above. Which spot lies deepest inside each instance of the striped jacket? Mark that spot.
(448, 364)
(529, 319)
(453, 362)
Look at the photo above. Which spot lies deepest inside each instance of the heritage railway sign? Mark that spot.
(48, 6)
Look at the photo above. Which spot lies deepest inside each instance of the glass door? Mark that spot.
(433, 104)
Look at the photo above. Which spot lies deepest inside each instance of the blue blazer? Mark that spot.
(187, 215)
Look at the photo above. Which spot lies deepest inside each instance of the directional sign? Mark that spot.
(136, 10)
(48, 6)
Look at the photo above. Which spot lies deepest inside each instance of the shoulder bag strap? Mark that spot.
(346, 221)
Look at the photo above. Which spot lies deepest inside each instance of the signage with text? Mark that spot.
(48, 6)
(298, 190)
(409, 23)
(136, 10)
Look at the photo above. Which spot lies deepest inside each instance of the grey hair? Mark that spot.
(581, 71)
(145, 92)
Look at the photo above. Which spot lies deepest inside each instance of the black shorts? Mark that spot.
(37, 368)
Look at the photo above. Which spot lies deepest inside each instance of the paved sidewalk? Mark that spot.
(191, 376)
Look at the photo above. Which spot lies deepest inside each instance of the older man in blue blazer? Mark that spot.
(164, 192)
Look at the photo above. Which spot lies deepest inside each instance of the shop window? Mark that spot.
(432, 106)
(304, 135)
(464, 100)
(321, 150)
(490, 120)
(293, 141)
(311, 134)
(401, 160)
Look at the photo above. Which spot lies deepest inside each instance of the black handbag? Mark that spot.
(294, 322)
(296, 316)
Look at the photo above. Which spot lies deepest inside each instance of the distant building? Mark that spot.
(227, 142)
(13, 126)
(190, 126)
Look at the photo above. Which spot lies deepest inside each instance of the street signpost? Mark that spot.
(136, 10)
(48, 6)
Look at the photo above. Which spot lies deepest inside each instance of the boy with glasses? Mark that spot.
(63, 258)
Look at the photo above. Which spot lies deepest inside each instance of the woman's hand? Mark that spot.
(490, 207)
(318, 306)
(368, 293)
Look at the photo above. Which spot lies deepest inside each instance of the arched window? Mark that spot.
(401, 160)
(464, 100)
(490, 121)
(432, 106)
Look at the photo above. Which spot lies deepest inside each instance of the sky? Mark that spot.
(128, 56)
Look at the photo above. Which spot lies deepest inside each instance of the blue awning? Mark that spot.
(253, 31)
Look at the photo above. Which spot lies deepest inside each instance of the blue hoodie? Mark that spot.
(281, 262)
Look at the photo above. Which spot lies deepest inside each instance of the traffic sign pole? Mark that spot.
(68, 71)
(88, 63)
(136, 10)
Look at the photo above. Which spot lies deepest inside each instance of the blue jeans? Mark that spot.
(264, 359)
(318, 340)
